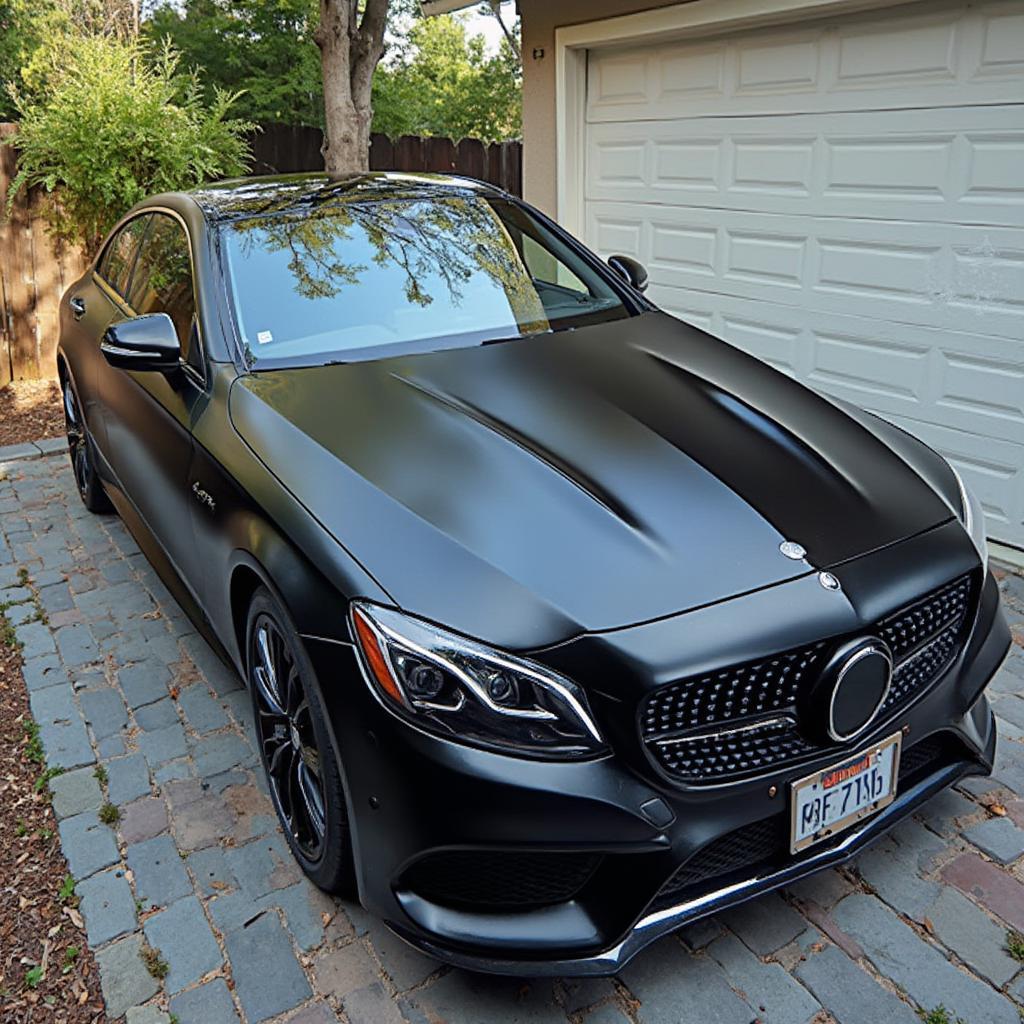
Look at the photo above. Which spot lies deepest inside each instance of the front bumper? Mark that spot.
(412, 795)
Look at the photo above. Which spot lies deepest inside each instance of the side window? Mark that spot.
(162, 282)
(115, 264)
(543, 266)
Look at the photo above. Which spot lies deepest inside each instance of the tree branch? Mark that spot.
(367, 47)
(495, 6)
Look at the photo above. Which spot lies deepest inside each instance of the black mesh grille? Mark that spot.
(909, 628)
(926, 756)
(721, 757)
(742, 720)
(744, 847)
(765, 843)
(741, 691)
(495, 879)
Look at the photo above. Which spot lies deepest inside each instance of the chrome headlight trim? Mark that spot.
(471, 714)
(973, 518)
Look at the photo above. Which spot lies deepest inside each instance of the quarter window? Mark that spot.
(162, 282)
(115, 264)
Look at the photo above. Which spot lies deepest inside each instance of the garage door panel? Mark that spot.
(787, 62)
(899, 51)
(1002, 54)
(943, 166)
(984, 386)
(970, 279)
(952, 56)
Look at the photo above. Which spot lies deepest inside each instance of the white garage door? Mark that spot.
(845, 200)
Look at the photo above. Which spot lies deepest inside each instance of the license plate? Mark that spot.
(834, 798)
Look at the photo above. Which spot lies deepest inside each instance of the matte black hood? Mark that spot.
(526, 491)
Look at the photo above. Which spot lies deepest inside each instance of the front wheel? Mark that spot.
(305, 782)
(90, 488)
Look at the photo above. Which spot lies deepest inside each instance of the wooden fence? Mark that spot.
(35, 270)
(286, 149)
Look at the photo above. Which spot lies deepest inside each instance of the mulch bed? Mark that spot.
(30, 410)
(46, 970)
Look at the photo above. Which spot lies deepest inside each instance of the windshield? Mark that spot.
(367, 278)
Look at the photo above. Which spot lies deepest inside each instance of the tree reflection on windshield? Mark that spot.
(364, 263)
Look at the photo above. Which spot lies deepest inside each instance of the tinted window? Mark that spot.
(116, 262)
(360, 278)
(162, 282)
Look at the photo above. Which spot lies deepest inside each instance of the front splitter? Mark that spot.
(661, 922)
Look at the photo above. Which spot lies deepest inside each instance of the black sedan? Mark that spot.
(565, 623)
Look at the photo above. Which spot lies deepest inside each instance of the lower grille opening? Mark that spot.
(500, 880)
(764, 844)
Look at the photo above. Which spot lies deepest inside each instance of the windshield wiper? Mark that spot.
(515, 337)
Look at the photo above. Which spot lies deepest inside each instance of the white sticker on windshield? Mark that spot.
(264, 337)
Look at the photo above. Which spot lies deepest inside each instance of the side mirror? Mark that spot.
(147, 342)
(632, 270)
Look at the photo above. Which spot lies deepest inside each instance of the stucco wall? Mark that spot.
(540, 19)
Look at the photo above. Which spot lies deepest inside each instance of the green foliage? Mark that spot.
(1015, 944)
(109, 814)
(939, 1015)
(435, 79)
(42, 784)
(444, 83)
(113, 122)
(27, 27)
(155, 963)
(100, 774)
(33, 976)
(66, 892)
(21, 27)
(8, 637)
(263, 49)
(70, 956)
(33, 743)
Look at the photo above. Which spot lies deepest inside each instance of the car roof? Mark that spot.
(260, 196)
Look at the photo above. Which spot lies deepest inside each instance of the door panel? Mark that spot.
(149, 415)
(91, 304)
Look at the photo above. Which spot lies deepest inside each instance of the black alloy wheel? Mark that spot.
(90, 488)
(302, 772)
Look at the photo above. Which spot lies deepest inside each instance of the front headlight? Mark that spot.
(471, 693)
(973, 518)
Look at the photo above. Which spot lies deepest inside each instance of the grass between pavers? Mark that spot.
(155, 963)
(939, 1015)
(109, 814)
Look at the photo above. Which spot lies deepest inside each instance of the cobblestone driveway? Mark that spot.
(197, 868)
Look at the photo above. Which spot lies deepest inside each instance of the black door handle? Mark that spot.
(77, 307)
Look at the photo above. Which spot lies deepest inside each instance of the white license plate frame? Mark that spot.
(868, 757)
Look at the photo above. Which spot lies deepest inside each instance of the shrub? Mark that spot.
(112, 122)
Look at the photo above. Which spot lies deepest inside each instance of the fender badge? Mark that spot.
(791, 549)
(828, 581)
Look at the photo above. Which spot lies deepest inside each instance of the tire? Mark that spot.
(82, 453)
(291, 732)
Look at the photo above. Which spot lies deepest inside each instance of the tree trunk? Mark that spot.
(350, 49)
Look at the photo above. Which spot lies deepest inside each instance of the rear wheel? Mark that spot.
(80, 450)
(305, 782)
